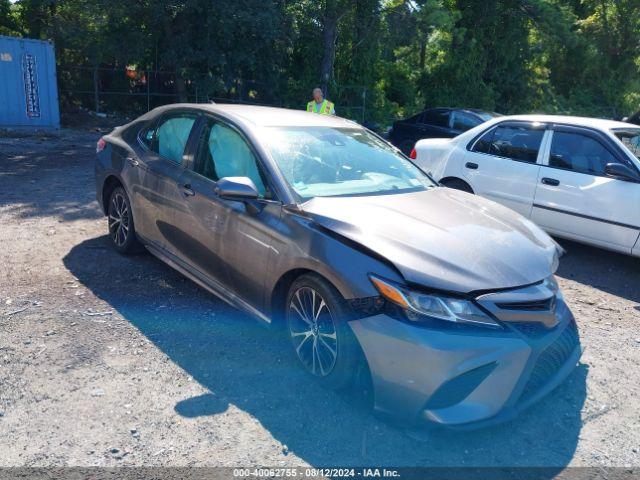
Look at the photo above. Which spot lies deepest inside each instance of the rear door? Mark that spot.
(159, 198)
(575, 198)
(503, 164)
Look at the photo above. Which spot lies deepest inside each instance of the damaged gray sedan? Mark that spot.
(445, 300)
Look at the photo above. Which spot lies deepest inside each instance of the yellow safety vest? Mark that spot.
(325, 108)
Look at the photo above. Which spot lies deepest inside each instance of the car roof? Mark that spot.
(265, 116)
(474, 111)
(477, 111)
(599, 123)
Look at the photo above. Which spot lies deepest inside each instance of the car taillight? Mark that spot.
(413, 155)
(100, 146)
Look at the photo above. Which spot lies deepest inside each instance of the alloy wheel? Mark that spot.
(119, 219)
(313, 331)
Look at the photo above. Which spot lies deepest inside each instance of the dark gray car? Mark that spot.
(445, 300)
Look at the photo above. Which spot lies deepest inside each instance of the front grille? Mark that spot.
(534, 306)
(552, 359)
(457, 389)
(533, 330)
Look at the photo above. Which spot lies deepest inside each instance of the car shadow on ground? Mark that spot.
(243, 364)
(607, 271)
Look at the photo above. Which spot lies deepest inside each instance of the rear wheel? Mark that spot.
(122, 231)
(457, 184)
(323, 343)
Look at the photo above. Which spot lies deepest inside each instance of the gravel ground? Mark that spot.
(108, 360)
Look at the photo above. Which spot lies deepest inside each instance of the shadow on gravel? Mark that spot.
(245, 365)
(610, 272)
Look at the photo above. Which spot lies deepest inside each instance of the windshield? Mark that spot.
(326, 161)
(630, 138)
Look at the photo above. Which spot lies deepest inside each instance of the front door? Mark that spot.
(502, 164)
(222, 238)
(575, 198)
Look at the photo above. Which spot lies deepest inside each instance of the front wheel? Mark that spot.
(122, 231)
(323, 343)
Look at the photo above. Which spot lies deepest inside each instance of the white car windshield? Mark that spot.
(630, 138)
(327, 161)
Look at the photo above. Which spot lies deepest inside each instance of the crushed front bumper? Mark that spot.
(464, 380)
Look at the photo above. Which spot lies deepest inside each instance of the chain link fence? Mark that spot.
(133, 91)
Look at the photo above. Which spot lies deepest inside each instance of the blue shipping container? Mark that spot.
(28, 87)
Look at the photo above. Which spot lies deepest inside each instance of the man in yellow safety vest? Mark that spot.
(319, 104)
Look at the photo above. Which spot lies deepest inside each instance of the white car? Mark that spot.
(578, 178)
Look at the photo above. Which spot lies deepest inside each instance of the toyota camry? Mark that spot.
(315, 225)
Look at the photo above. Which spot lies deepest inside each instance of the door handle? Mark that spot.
(133, 161)
(550, 181)
(471, 165)
(187, 191)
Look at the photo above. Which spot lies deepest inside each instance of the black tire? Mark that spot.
(122, 231)
(342, 371)
(457, 184)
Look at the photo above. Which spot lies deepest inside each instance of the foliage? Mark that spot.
(390, 57)
(8, 19)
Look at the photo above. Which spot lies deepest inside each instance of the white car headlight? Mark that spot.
(419, 306)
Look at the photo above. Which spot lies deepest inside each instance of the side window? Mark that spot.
(464, 122)
(438, 118)
(171, 135)
(147, 135)
(415, 119)
(483, 144)
(580, 153)
(224, 153)
(516, 142)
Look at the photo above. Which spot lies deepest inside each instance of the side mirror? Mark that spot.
(621, 172)
(239, 188)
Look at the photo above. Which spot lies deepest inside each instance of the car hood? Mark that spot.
(442, 238)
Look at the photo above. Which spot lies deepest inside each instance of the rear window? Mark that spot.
(146, 135)
(630, 138)
(172, 135)
(438, 118)
(517, 142)
(483, 145)
(464, 122)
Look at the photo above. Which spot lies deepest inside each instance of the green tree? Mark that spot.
(8, 22)
(394, 57)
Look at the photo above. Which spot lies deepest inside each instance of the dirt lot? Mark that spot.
(108, 360)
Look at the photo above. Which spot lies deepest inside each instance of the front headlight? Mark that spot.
(557, 254)
(420, 307)
(552, 284)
